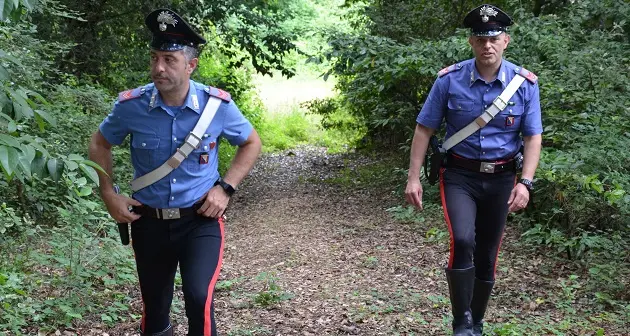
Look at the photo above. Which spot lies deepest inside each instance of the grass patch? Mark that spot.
(281, 131)
(373, 174)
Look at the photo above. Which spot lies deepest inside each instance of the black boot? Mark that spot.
(166, 332)
(460, 285)
(481, 296)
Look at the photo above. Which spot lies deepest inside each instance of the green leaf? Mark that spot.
(9, 140)
(4, 74)
(39, 97)
(55, 168)
(45, 116)
(85, 191)
(26, 158)
(20, 104)
(6, 10)
(29, 4)
(12, 126)
(8, 160)
(7, 56)
(75, 157)
(94, 165)
(71, 165)
(89, 172)
(22, 111)
(38, 166)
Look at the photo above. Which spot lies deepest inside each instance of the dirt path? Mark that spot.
(307, 257)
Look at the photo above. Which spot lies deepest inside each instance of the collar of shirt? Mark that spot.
(191, 101)
(501, 75)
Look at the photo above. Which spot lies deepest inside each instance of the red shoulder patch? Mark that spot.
(449, 69)
(223, 95)
(130, 94)
(530, 76)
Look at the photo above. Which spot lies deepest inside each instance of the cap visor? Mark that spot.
(489, 33)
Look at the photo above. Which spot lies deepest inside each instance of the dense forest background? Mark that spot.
(62, 63)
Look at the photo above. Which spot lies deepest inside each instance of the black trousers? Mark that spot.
(475, 210)
(196, 244)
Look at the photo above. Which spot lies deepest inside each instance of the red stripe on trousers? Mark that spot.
(447, 219)
(207, 325)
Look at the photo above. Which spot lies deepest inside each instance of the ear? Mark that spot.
(192, 65)
(470, 40)
(507, 39)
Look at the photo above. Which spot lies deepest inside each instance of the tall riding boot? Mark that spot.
(460, 285)
(481, 296)
(166, 332)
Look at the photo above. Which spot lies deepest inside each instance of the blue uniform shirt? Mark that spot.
(460, 95)
(158, 130)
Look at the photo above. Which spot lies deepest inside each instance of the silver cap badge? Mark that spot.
(485, 12)
(166, 18)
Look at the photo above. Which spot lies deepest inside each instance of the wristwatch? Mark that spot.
(229, 190)
(527, 183)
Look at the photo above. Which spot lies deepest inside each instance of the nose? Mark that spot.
(158, 66)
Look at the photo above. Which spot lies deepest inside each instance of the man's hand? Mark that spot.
(519, 198)
(215, 204)
(118, 207)
(413, 193)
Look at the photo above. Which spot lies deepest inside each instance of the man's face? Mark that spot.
(170, 69)
(489, 50)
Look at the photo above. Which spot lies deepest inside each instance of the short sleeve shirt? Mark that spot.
(461, 95)
(157, 131)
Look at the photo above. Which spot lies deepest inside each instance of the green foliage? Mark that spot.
(110, 43)
(386, 68)
(271, 293)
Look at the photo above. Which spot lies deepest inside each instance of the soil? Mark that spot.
(305, 256)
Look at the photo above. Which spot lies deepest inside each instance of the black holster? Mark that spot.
(123, 228)
(434, 160)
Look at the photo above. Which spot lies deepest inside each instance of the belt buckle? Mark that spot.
(171, 213)
(487, 167)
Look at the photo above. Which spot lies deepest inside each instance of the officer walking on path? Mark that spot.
(488, 104)
(179, 198)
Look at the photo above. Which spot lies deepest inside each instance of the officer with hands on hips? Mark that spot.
(179, 198)
(478, 182)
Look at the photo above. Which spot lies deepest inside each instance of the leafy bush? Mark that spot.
(577, 49)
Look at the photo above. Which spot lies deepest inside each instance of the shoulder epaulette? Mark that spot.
(131, 94)
(530, 76)
(223, 95)
(449, 69)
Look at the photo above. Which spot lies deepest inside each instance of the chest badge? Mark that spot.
(212, 145)
(509, 121)
(204, 158)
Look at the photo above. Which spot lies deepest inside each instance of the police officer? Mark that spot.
(479, 184)
(178, 218)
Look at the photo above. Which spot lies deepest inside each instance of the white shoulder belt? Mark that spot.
(192, 142)
(498, 105)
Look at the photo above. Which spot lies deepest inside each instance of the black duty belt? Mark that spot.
(170, 213)
(480, 166)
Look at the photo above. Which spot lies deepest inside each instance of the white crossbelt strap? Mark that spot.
(495, 108)
(192, 142)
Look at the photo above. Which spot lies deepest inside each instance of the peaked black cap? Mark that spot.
(487, 20)
(170, 31)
